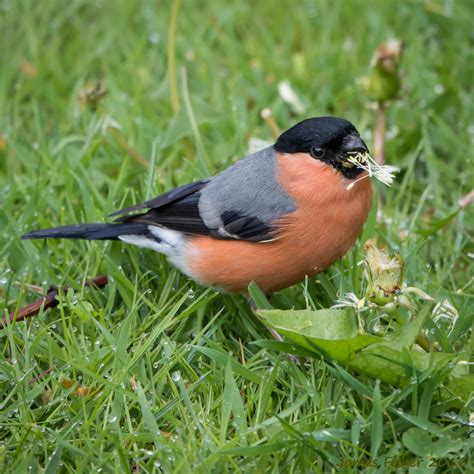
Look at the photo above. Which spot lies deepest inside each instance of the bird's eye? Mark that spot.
(318, 152)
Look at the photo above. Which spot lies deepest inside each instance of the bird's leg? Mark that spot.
(253, 306)
(275, 334)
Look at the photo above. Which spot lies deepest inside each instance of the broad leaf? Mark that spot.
(334, 334)
(423, 444)
(331, 332)
(405, 335)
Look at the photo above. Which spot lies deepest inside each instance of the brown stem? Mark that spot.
(242, 354)
(267, 115)
(467, 199)
(49, 301)
(41, 375)
(379, 147)
(122, 142)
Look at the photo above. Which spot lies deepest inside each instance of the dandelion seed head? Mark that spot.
(384, 173)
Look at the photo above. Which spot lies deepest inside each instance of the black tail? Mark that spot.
(89, 231)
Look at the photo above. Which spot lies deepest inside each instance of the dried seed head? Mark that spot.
(384, 274)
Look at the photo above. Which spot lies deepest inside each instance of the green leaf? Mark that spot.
(121, 355)
(462, 387)
(405, 335)
(422, 444)
(179, 126)
(331, 434)
(420, 423)
(437, 225)
(147, 414)
(221, 358)
(258, 450)
(426, 398)
(418, 442)
(286, 347)
(376, 433)
(350, 380)
(332, 332)
(265, 394)
(370, 223)
(381, 361)
(53, 464)
(232, 403)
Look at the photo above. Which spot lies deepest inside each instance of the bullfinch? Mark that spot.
(278, 215)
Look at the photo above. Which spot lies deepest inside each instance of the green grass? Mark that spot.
(176, 382)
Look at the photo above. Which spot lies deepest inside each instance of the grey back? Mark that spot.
(249, 188)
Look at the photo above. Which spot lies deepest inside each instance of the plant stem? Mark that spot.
(379, 137)
(172, 56)
(49, 301)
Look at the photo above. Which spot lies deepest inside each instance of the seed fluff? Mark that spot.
(384, 173)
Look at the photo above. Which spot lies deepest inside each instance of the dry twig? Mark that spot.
(49, 301)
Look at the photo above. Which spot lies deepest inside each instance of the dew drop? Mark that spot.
(176, 376)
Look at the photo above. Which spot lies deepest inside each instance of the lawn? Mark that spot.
(104, 104)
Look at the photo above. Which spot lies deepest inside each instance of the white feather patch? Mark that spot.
(171, 243)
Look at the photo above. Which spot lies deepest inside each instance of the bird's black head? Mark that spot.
(328, 139)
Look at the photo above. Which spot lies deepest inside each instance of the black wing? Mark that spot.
(166, 198)
(178, 210)
(245, 227)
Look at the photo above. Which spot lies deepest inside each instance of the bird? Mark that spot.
(274, 217)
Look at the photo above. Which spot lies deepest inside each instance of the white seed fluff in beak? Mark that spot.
(384, 173)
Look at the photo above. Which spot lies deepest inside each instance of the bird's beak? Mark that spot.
(353, 144)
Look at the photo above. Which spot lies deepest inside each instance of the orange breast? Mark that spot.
(327, 220)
